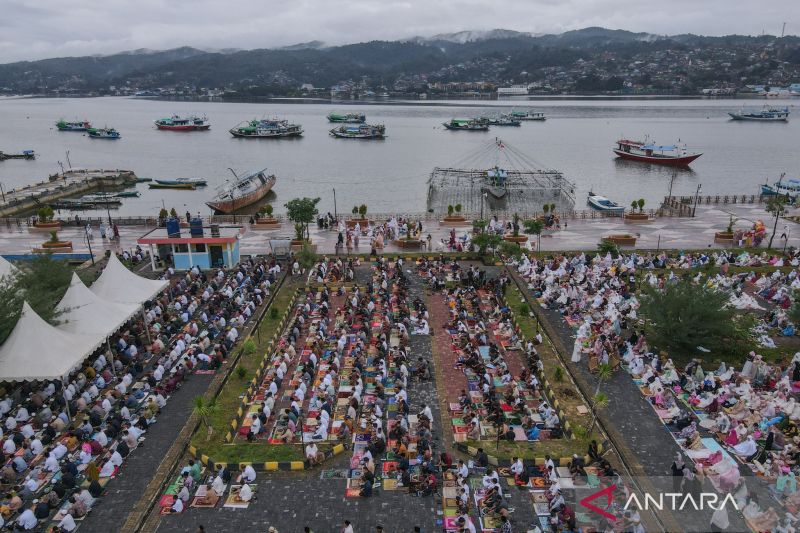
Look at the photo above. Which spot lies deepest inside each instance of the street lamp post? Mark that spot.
(88, 242)
(696, 197)
(335, 212)
(482, 197)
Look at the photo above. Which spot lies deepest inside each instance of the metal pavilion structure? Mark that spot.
(498, 179)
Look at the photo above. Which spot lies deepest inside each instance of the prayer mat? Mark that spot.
(542, 509)
(390, 484)
(538, 496)
(336, 473)
(352, 493)
(233, 501)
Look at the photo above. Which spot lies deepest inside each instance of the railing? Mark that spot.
(684, 205)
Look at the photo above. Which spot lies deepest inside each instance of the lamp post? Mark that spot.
(88, 242)
(482, 197)
(696, 197)
(335, 212)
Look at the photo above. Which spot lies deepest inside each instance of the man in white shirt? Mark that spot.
(249, 474)
(313, 454)
(27, 520)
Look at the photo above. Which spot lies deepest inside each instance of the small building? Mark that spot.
(198, 245)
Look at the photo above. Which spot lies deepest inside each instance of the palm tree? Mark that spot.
(205, 409)
(600, 399)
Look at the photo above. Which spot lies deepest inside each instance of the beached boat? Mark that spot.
(243, 191)
(767, 114)
(197, 182)
(77, 125)
(25, 154)
(783, 187)
(528, 115)
(469, 124)
(183, 186)
(103, 133)
(362, 131)
(266, 129)
(649, 152)
(178, 123)
(601, 203)
(347, 118)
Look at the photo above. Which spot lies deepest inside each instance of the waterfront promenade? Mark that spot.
(580, 234)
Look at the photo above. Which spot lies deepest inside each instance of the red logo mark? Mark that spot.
(608, 492)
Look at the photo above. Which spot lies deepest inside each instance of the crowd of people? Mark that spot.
(63, 441)
(723, 418)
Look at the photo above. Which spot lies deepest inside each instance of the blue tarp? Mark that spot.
(656, 147)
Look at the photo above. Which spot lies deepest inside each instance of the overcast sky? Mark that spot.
(35, 29)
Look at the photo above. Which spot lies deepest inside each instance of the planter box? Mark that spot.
(621, 240)
(636, 217)
(351, 223)
(409, 244)
(46, 226)
(519, 239)
(266, 223)
(723, 237)
(64, 250)
(454, 221)
(57, 244)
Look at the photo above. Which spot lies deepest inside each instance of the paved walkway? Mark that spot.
(664, 233)
(123, 492)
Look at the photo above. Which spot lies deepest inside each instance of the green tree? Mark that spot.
(46, 213)
(535, 227)
(302, 211)
(486, 240)
(266, 210)
(600, 399)
(686, 315)
(205, 410)
(640, 203)
(41, 282)
(607, 247)
(510, 249)
(776, 206)
(458, 208)
(362, 210)
(450, 210)
(306, 257)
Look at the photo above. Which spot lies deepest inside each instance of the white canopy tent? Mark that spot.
(37, 350)
(6, 268)
(85, 313)
(119, 285)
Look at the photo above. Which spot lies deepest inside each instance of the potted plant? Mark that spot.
(301, 211)
(621, 239)
(44, 219)
(535, 227)
(454, 216)
(359, 216)
(54, 242)
(265, 219)
(633, 216)
(515, 236)
(726, 237)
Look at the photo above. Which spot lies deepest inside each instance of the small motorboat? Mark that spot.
(182, 186)
(469, 124)
(601, 203)
(197, 182)
(128, 194)
(103, 133)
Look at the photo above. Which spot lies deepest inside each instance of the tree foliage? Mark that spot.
(510, 249)
(685, 315)
(41, 282)
(302, 211)
(486, 240)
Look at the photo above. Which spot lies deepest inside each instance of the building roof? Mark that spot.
(227, 234)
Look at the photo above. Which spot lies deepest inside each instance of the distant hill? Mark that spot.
(496, 56)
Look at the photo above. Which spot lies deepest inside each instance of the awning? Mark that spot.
(37, 350)
(6, 268)
(119, 285)
(85, 313)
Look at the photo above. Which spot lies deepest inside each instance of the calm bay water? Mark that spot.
(392, 175)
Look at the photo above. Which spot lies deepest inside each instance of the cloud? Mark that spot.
(32, 29)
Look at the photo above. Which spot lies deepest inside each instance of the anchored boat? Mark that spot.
(266, 129)
(767, 114)
(243, 191)
(178, 123)
(601, 203)
(103, 133)
(363, 131)
(197, 182)
(528, 115)
(78, 125)
(469, 124)
(783, 187)
(649, 152)
(502, 120)
(347, 118)
(182, 186)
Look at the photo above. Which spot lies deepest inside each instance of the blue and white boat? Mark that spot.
(783, 187)
(601, 203)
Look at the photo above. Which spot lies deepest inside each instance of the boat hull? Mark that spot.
(229, 206)
(180, 186)
(463, 128)
(668, 161)
(281, 135)
(186, 127)
(746, 118)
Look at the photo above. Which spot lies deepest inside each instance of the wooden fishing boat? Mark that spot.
(182, 186)
(243, 191)
(197, 182)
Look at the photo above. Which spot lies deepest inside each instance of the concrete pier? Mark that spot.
(69, 183)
